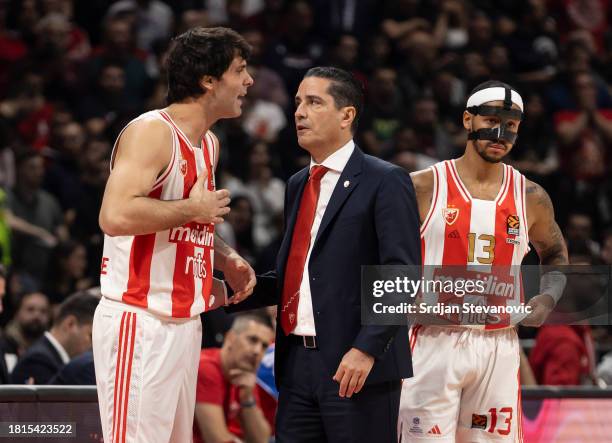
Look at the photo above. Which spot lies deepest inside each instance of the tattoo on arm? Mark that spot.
(549, 241)
(553, 251)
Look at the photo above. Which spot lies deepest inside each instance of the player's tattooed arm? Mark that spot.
(544, 233)
(423, 182)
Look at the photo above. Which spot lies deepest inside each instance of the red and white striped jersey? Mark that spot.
(487, 235)
(168, 273)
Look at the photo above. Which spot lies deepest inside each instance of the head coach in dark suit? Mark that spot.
(338, 380)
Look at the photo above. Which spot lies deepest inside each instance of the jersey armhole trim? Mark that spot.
(164, 177)
(165, 174)
(524, 210)
(434, 200)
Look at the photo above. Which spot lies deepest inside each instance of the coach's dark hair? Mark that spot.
(491, 84)
(344, 88)
(199, 52)
(81, 304)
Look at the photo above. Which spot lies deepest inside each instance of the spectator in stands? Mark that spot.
(343, 53)
(240, 220)
(298, 49)
(584, 133)
(39, 208)
(31, 320)
(270, 20)
(79, 371)
(606, 247)
(376, 52)
(227, 403)
(60, 51)
(66, 273)
(27, 109)
(267, 191)
(535, 151)
(384, 113)
(480, 32)
(120, 47)
(152, 19)
(450, 29)
(269, 85)
(579, 229)
(94, 170)
(533, 46)
(4, 374)
(107, 99)
(432, 138)
(564, 354)
(62, 174)
(69, 336)
(420, 59)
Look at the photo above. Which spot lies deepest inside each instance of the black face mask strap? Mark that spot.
(508, 99)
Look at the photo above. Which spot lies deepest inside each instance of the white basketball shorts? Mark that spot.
(465, 386)
(146, 374)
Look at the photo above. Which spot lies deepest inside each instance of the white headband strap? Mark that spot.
(491, 94)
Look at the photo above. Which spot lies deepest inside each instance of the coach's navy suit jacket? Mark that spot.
(373, 220)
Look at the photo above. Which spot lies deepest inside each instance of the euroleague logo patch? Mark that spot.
(512, 225)
(450, 215)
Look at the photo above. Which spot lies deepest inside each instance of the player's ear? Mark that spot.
(467, 120)
(207, 82)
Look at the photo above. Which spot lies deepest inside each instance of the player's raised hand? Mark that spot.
(208, 206)
(240, 276)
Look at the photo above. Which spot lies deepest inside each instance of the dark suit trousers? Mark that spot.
(311, 411)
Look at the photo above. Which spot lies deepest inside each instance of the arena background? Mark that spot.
(73, 73)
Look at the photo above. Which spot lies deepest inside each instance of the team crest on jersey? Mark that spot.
(512, 225)
(183, 166)
(450, 215)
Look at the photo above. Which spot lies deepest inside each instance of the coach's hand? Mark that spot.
(353, 371)
(240, 276)
(208, 206)
(541, 306)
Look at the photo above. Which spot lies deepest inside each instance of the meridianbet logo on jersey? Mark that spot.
(196, 265)
(193, 233)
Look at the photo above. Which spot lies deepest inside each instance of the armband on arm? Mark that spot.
(553, 284)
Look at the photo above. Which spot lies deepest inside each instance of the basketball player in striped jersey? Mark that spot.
(160, 248)
(476, 210)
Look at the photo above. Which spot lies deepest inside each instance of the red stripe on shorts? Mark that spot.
(128, 379)
(119, 347)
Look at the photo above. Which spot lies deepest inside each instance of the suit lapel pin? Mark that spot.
(347, 184)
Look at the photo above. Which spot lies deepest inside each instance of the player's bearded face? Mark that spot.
(492, 151)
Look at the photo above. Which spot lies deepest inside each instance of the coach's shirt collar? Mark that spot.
(338, 160)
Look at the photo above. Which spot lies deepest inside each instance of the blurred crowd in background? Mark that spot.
(72, 74)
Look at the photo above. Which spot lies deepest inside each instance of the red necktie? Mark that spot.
(300, 243)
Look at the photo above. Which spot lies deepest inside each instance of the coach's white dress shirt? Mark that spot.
(335, 163)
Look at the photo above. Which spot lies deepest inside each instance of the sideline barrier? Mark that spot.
(73, 408)
(549, 413)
